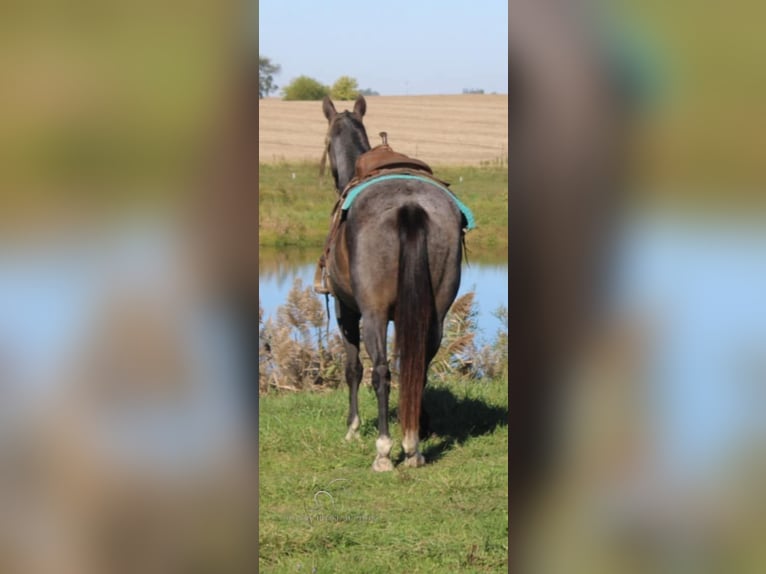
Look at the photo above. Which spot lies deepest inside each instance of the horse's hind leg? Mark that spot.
(348, 321)
(374, 328)
(411, 440)
(433, 348)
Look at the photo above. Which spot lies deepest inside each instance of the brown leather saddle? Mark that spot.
(383, 157)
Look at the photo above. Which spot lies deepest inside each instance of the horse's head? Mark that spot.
(346, 140)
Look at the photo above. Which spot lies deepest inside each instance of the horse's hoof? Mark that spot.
(382, 465)
(415, 460)
(352, 435)
(353, 428)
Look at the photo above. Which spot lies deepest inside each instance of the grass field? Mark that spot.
(295, 211)
(462, 137)
(322, 508)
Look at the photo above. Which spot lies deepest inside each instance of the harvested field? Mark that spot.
(440, 130)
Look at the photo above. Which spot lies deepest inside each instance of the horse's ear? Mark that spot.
(360, 106)
(328, 108)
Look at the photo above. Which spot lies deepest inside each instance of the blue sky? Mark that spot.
(395, 47)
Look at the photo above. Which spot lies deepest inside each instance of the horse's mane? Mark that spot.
(347, 126)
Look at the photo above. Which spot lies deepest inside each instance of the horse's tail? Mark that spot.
(415, 313)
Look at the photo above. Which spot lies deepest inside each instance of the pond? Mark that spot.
(699, 282)
(486, 275)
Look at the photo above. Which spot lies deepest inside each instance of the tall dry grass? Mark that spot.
(298, 351)
(296, 348)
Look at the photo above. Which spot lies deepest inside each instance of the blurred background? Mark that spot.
(125, 433)
(658, 436)
(701, 81)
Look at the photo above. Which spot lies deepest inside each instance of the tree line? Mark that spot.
(305, 87)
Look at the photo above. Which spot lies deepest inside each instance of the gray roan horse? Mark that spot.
(397, 257)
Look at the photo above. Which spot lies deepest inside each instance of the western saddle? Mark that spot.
(380, 160)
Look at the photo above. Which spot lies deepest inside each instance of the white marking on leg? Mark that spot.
(382, 461)
(384, 444)
(410, 443)
(353, 428)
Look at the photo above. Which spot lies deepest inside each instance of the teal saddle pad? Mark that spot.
(470, 221)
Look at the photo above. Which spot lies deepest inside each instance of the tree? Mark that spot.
(266, 72)
(345, 88)
(305, 88)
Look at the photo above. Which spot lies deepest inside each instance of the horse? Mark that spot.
(395, 257)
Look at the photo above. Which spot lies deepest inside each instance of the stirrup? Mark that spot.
(320, 285)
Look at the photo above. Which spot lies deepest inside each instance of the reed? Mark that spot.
(298, 351)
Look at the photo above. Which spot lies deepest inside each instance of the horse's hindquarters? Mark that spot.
(374, 242)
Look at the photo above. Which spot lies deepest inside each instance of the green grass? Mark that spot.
(322, 508)
(296, 211)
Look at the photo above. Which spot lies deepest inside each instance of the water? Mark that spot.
(700, 284)
(489, 282)
(72, 318)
